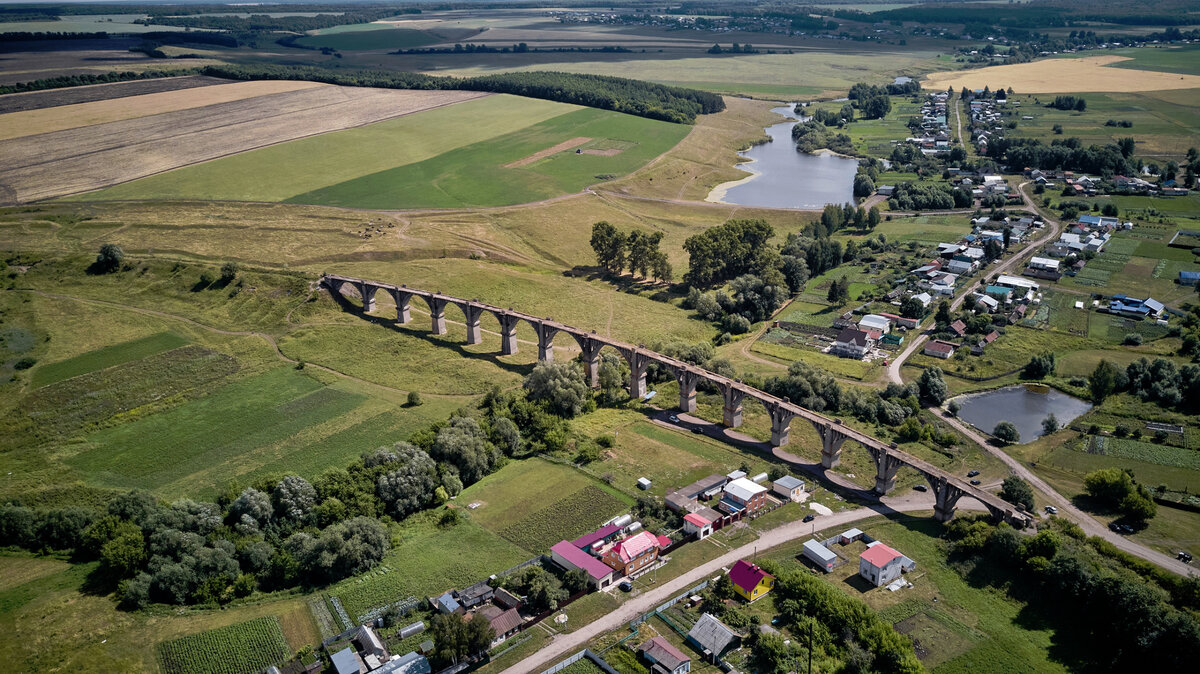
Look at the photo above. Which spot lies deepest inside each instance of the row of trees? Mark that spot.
(910, 196)
(1116, 489)
(812, 135)
(634, 97)
(1077, 103)
(638, 250)
(1066, 155)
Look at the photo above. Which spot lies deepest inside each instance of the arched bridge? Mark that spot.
(947, 488)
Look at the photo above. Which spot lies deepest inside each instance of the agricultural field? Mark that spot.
(1079, 75)
(29, 61)
(233, 649)
(49, 98)
(1181, 59)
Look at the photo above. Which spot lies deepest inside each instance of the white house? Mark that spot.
(852, 343)
(1045, 263)
(791, 488)
(924, 298)
(880, 565)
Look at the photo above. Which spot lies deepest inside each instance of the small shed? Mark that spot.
(823, 557)
(760, 478)
(789, 487)
(644, 483)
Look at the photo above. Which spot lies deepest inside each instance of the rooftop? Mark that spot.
(635, 546)
(879, 555)
(789, 482)
(747, 575)
(711, 634)
(698, 520)
(586, 540)
(660, 650)
(580, 559)
(744, 489)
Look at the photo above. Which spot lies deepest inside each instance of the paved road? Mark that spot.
(563, 645)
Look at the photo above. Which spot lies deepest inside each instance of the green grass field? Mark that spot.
(479, 175)
(379, 38)
(226, 650)
(104, 358)
(1183, 59)
(282, 171)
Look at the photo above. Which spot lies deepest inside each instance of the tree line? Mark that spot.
(635, 97)
(638, 250)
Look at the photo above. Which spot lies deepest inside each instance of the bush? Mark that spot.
(1006, 432)
(108, 260)
(414, 399)
(1132, 339)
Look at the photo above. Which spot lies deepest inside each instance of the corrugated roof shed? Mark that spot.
(711, 634)
(600, 534)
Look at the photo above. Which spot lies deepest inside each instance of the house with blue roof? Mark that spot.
(1132, 306)
(1189, 278)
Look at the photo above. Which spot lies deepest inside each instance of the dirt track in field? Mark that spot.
(542, 154)
(77, 160)
(48, 120)
(1062, 75)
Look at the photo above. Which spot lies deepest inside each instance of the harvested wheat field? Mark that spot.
(77, 160)
(31, 122)
(1063, 75)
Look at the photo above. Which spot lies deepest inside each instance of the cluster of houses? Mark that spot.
(879, 564)
(986, 119)
(859, 340)
(1085, 185)
(482, 601)
(935, 132)
(366, 653)
(710, 503)
(983, 185)
(616, 550)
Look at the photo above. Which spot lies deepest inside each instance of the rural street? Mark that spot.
(563, 645)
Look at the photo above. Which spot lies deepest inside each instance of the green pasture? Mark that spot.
(280, 172)
(479, 175)
(377, 38)
(925, 229)
(275, 423)
(1183, 59)
(100, 359)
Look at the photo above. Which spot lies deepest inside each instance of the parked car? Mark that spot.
(625, 586)
(1052, 510)
(809, 517)
(972, 473)
(673, 419)
(697, 430)
(921, 487)
(1185, 557)
(976, 482)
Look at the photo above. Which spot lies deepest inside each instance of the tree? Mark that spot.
(992, 250)
(414, 399)
(609, 246)
(462, 444)
(1058, 129)
(561, 385)
(1007, 432)
(1040, 366)
(641, 251)
(1050, 424)
(863, 185)
(1017, 491)
(873, 218)
(109, 259)
(932, 386)
(410, 486)
(229, 271)
(943, 313)
(1103, 381)
(125, 554)
(252, 504)
(456, 638)
(294, 498)
(912, 308)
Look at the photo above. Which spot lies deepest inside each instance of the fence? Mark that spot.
(404, 606)
(528, 562)
(585, 653)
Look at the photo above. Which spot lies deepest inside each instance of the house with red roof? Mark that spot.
(661, 654)
(880, 564)
(633, 554)
(571, 558)
(749, 580)
(696, 524)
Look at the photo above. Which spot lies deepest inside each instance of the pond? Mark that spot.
(1023, 407)
(785, 178)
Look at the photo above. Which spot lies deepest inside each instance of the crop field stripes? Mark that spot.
(233, 649)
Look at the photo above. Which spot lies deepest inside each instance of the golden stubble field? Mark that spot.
(1056, 76)
(70, 161)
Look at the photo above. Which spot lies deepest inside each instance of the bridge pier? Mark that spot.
(545, 335)
(403, 301)
(637, 374)
(687, 389)
(367, 292)
(508, 333)
(947, 496)
(437, 312)
(590, 357)
(831, 444)
(731, 415)
(472, 313)
(886, 466)
(781, 424)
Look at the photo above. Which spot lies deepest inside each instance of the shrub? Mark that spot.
(1132, 339)
(414, 399)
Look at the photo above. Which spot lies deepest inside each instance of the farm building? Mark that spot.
(1131, 306)
(697, 525)
(939, 348)
(600, 536)
(999, 293)
(820, 555)
(635, 553)
(880, 565)
(1189, 278)
(750, 581)
(506, 599)
(476, 594)
(875, 322)
(571, 558)
(743, 495)
(447, 604)
(1049, 264)
(346, 661)
(684, 499)
(369, 643)
(1016, 282)
(958, 328)
(711, 636)
(658, 651)
(789, 487)
(505, 623)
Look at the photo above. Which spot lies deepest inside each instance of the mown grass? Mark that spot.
(477, 175)
(100, 359)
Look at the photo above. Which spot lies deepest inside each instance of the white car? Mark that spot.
(673, 419)
(1052, 510)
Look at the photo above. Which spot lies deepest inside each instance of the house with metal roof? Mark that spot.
(346, 661)
(818, 554)
(664, 657)
(742, 495)
(447, 604)
(852, 343)
(409, 663)
(1131, 306)
(789, 487)
(880, 564)
(602, 535)
(749, 580)
(875, 322)
(711, 637)
(695, 524)
(571, 558)
(1189, 278)
(368, 642)
(505, 623)
(476, 594)
(633, 554)
(939, 348)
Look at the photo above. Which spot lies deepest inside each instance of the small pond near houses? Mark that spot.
(1025, 408)
(785, 178)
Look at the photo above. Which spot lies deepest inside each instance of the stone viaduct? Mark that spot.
(947, 488)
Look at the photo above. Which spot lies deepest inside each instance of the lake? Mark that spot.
(1024, 408)
(785, 178)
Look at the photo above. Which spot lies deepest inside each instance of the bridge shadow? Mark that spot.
(660, 291)
(494, 358)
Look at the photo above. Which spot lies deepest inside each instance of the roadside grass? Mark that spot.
(100, 359)
(282, 171)
(970, 627)
(477, 175)
(448, 558)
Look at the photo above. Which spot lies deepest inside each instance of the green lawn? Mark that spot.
(100, 359)
(480, 174)
(280, 172)
(274, 423)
